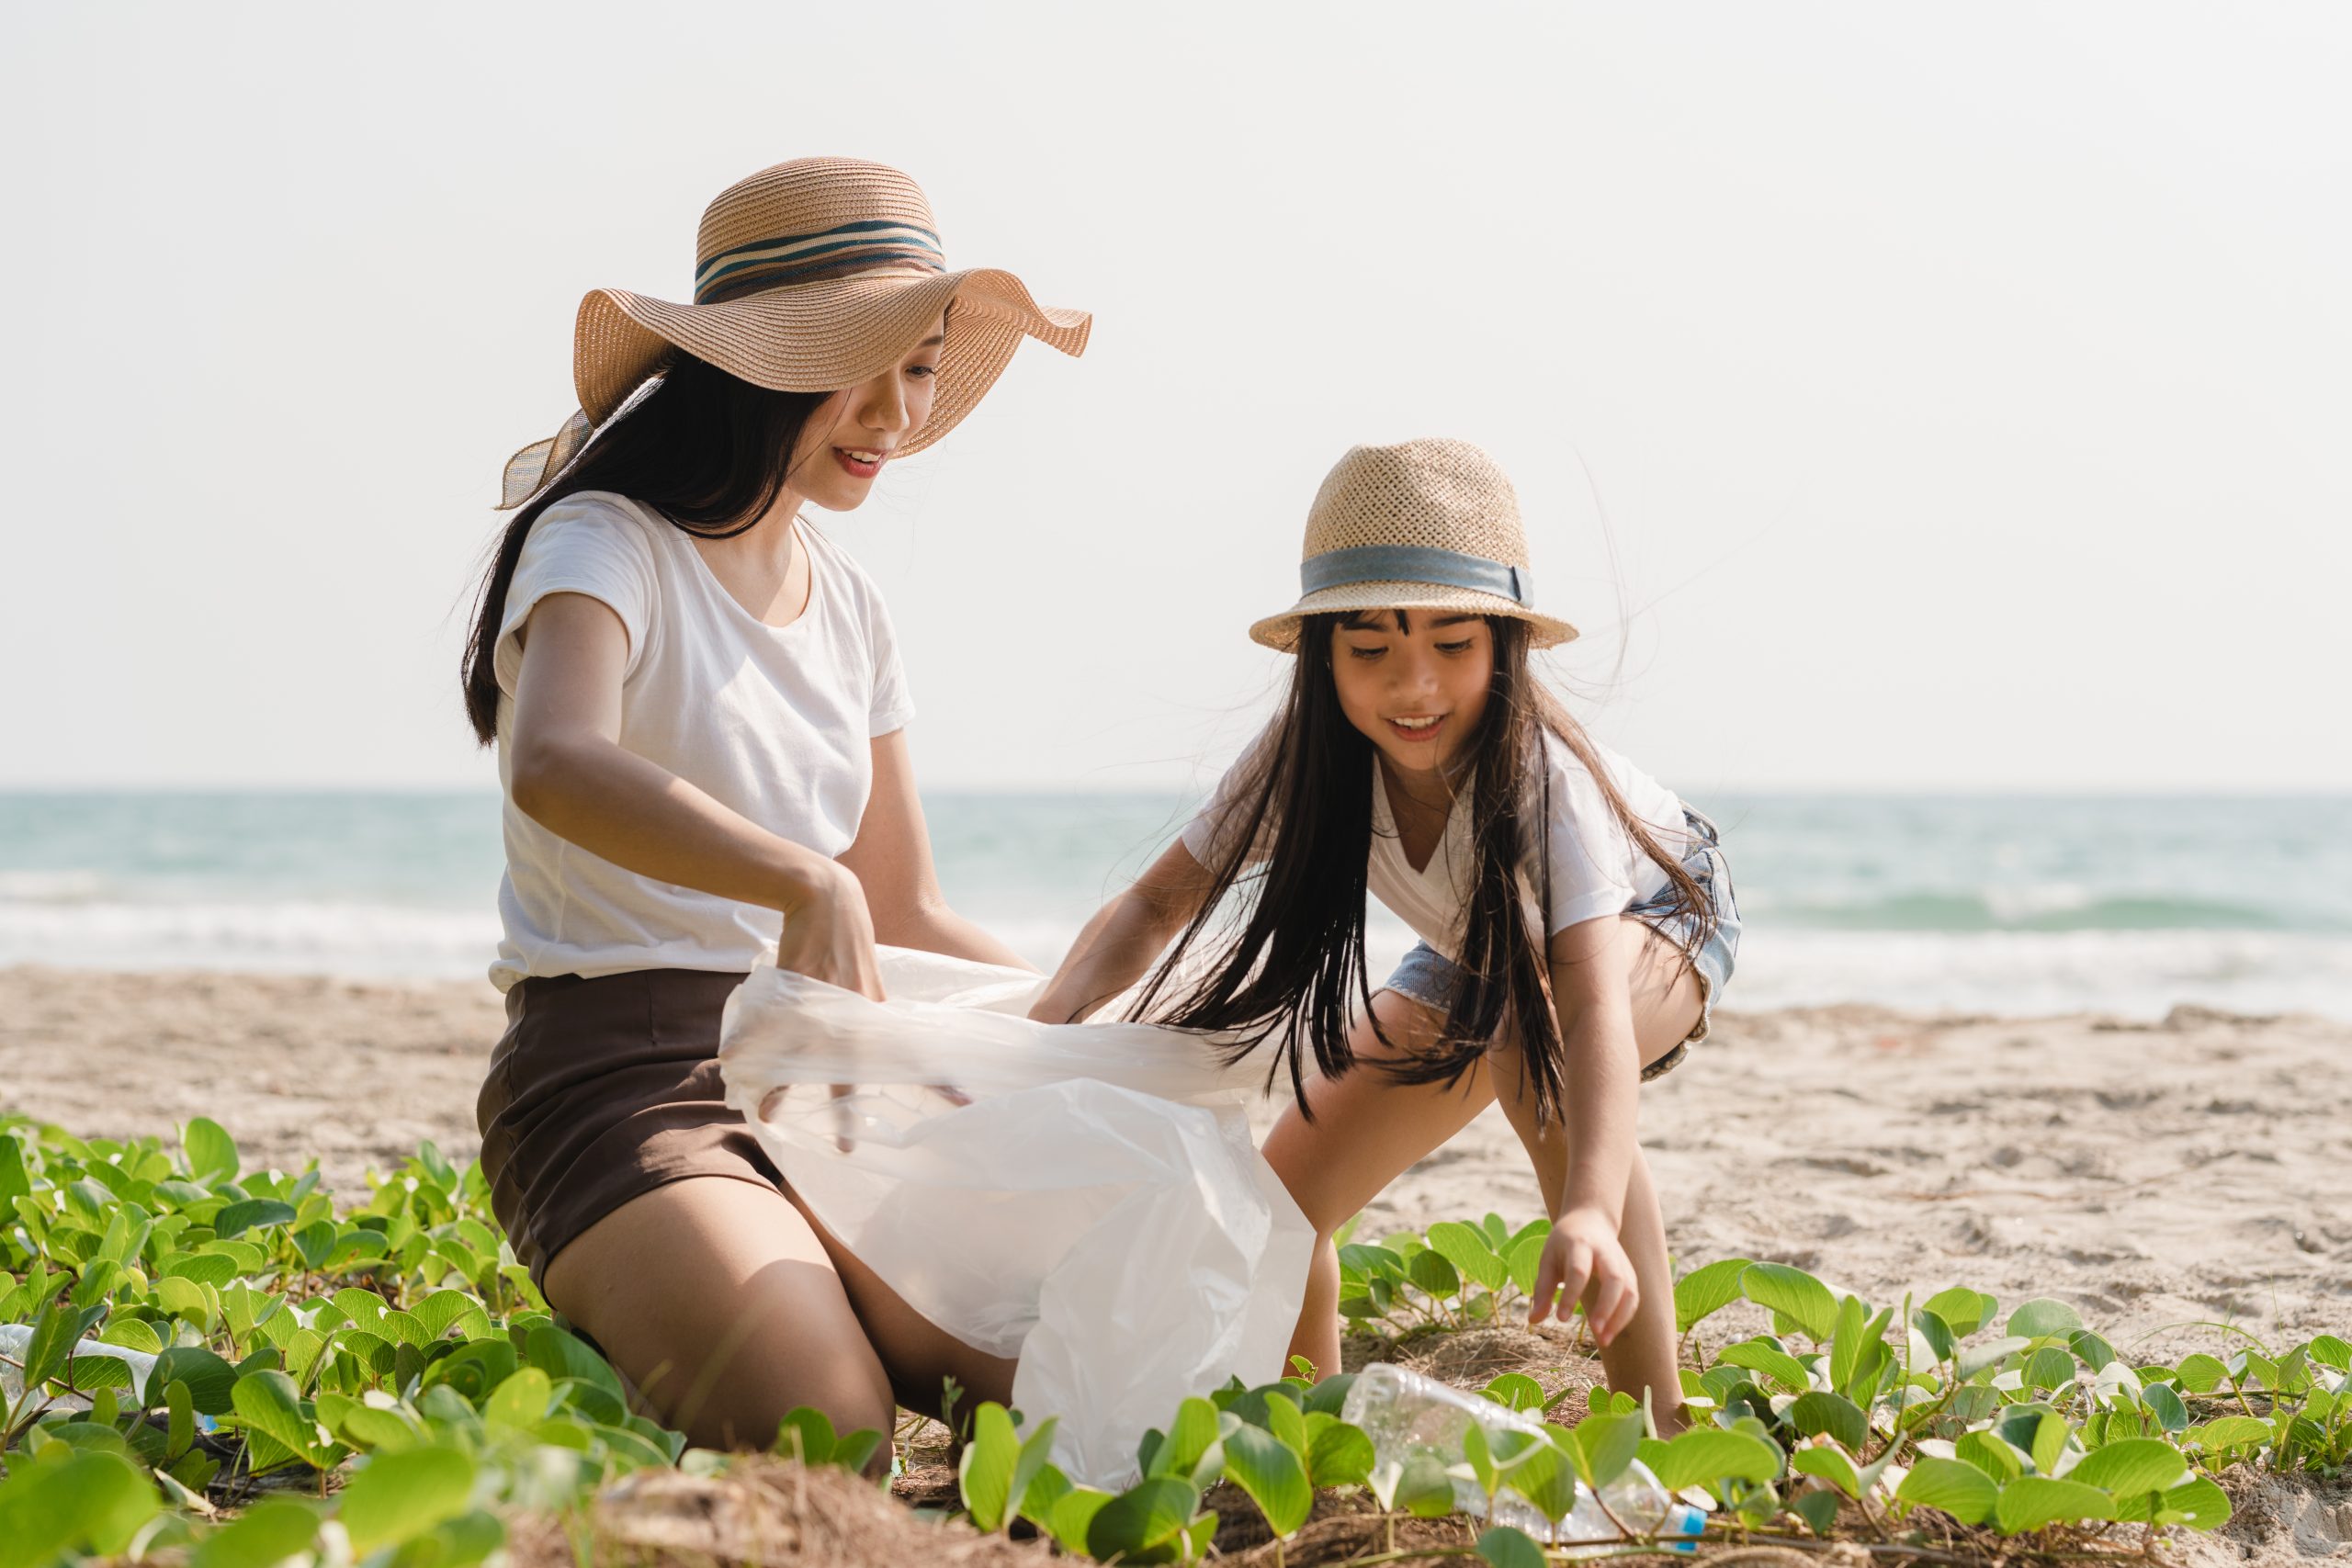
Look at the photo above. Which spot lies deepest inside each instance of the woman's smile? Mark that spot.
(864, 462)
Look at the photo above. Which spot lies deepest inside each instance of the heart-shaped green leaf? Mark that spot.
(1704, 1455)
(1706, 1291)
(1605, 1445)
(2231, 1432)
(1794, 1294)
(1140, 1522)
(251, 1214)
(1515, 1391)
(2041, 1317)
(399, 1495)
(1964, 1492)
(1267, 1469)
(1337, 1453)
(1432, 1274)
(2131, 1467)
(269, 1533)
(2197, 1502)
(2036, 1502)
(1965, 1310)
(1829, 1464)
(211, 1153)
(985, 1474)
(1763, 1356)
(521, 1400)
(1502, 1546)
(1472, 1255)
(92, 1500)
(269, 1403)
(1833, 1414)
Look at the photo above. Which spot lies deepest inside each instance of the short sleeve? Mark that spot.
(1590, 852)
(586, 545)
(1210, 836)
(893, 704)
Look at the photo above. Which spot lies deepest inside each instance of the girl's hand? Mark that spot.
(1583, 1261)
(829, 935)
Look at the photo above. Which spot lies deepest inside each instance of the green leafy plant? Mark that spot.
(218, 1362)
(1453, 1276)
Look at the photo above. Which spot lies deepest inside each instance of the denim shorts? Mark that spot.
(1430, 978)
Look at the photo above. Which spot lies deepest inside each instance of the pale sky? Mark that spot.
(1909, 397)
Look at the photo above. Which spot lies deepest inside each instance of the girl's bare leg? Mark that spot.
(1368, 1130)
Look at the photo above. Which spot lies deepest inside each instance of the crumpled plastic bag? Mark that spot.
(1094, 1206)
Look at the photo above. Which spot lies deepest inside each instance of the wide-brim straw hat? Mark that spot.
(1428, 525)
(809, 276)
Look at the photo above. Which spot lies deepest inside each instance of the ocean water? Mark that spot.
(1983, 904)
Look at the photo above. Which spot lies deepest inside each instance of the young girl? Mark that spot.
(701, 727)
(1577, 921)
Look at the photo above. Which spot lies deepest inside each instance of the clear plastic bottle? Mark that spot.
(1405, 1414)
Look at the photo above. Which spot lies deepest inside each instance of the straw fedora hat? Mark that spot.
(1430, 525)
(809, 276)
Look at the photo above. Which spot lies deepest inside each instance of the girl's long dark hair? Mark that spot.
(1295, 971)
(706, 449)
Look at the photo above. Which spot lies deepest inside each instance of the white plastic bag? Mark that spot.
(1097, 1209)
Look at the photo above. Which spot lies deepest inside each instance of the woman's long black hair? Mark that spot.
(1294, 971)
(706, 449)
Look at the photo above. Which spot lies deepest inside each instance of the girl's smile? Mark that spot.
(1417, 729)
(1414, 683)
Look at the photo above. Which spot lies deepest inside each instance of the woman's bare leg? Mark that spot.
(727, 1305)
(1368, 1130)
(717, 1300)
(918, 1354)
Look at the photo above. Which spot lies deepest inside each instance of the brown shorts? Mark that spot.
(601, 1089)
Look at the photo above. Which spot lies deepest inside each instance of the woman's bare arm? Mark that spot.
(1125, 936)
(568, 772)
(892, 861)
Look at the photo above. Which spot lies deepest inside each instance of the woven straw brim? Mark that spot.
(1281, 631)
(820, 337)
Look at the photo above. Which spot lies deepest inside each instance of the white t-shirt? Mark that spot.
(774, 722)
(1597, 868)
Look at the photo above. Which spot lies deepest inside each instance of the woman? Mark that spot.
(700, 721)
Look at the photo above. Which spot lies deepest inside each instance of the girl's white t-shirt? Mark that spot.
(774, 722)
(1597, 868)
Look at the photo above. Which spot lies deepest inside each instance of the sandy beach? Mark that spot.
(2164, 1179)
(2149, 1175)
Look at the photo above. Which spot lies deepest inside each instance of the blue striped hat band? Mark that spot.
(869, 245)
(1414, 563)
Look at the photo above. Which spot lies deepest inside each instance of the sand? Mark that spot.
(2149, 1175)
(2162, 1179)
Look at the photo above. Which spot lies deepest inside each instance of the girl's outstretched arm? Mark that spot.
(1125, 936)
(1585, 1162)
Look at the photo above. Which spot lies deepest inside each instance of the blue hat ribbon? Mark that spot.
(1414, 563)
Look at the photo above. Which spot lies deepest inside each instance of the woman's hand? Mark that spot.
(1583, 1261)
(829, 933)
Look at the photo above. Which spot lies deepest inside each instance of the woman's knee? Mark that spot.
(716, 1301)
